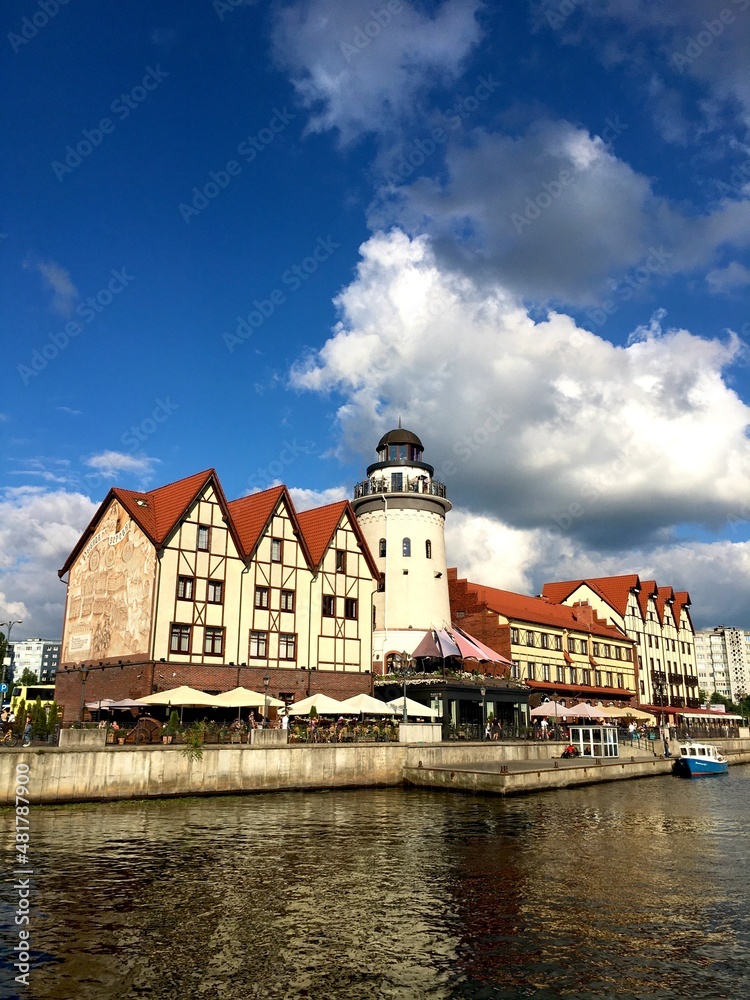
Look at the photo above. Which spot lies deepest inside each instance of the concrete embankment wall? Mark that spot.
(101, 773)
(57, 775)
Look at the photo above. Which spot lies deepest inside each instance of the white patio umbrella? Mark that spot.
(585, 711)
(180, 697)
(322, 704)
(414, 708)
(183, 696)
(550, 709)
(365, 704)
(241, 697)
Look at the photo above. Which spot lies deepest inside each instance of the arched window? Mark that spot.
(381, 548)
(406, 547)
(428, 549)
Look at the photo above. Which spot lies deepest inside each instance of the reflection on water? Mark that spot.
(639, 889)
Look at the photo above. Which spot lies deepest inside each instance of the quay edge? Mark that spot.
(59, 775)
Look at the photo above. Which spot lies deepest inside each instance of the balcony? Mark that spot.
(675, 679)
(413, 484)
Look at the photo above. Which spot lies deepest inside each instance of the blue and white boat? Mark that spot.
(697, 759)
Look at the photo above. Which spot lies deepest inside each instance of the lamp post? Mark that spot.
(84, 675)
(9, 625)
(484, 710)
(266, 682)
(404, 674)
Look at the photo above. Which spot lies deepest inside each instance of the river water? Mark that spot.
(633, 889)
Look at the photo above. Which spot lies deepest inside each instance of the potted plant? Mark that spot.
(171, 728)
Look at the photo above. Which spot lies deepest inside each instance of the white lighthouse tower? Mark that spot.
(401, 510)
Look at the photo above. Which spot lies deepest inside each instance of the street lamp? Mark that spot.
(404, 674)
(9, 625)
(484, 710)
(266, 682)
(84, 675)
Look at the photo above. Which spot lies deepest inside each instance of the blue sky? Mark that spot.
(250, 236)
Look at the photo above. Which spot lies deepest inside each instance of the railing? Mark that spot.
(374, 487)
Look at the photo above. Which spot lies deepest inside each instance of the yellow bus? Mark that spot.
(29, 693)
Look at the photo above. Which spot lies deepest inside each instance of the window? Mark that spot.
(515, 670)
(650, 640)
(428, 549)
(381, 584)
(597, 647)
(397, 482)
(561, 675)
(598, 678)
(261, 597)
(610, 682)
(586, 676)
(573, 675)
(329, 605)
(179, 639)
(185, 588)
(558, 642)
(571, 645)
(287, 646)
(514, 635)
(544, 640)
(607, 650)
(287, 600)
(204, 536)
(215, 592)
(545, 672)
(530, 670)
(259, 645)
(620, 681)
(213, 641)
(584, 647)
(275, 550)
(406, 547)
(381, 548)
(529, 638)
(350, 608)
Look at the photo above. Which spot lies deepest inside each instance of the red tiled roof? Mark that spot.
(251, 514)
(156, 512)
(318, 526)
(663, 595)
(159, 510)
(681, 603)
(648, 590)
(539, 611)
(613, 589)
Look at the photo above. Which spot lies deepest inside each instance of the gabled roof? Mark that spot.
(251, 515)
(664, 598)
(156, 512)
(319, 525)
(159, 510)
(681, 604)
(648, 590)
(538, 610)
(615, 590)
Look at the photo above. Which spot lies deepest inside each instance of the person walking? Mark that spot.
(27, 731)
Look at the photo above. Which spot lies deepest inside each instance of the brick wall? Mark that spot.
(134, 680)
(475, 618)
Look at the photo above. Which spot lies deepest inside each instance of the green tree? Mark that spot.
(27, 677)
(21, 711)
(39, 720)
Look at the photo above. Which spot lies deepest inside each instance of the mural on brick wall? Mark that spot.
(109, 591)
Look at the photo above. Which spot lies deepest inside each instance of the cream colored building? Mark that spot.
(180, 579)
(658, 619)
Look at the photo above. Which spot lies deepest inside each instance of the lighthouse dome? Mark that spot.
(400, 436)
